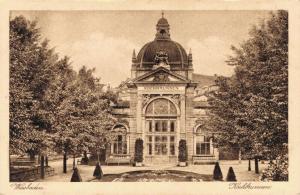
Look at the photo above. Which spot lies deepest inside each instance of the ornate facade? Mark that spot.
(163, 102)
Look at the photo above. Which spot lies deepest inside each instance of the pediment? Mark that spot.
(161, 76)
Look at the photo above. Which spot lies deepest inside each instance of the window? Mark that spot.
(161, 107)
(149, 145)
(119, 145)
(164, 126)
(157, 126)
(160, 127)
(203, 145)
(161, 145)
(172, 126)
(172, 145)
(149, 126)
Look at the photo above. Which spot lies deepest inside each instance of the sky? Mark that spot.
(105, 39)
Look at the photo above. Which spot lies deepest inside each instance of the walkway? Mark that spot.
(86, 172)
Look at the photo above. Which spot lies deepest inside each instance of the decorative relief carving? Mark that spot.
(161, 106)
(161, 60)
(175, 98)
(147, 97)
(161, 57)
(161, 77)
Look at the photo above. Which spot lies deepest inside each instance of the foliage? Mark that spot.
(277, 171)
(138, 154)
(182, 156)
(86, 115)
(84, 159)
(30, 74)
(231, 175)
(76, 176)
(250, 109)
(217, 172)
(98, 171)
(51, 105)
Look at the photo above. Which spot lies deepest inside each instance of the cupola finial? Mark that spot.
(133, 54)
(162, 28)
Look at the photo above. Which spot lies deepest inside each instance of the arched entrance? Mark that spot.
(160, 133)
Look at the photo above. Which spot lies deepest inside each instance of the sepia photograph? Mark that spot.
(148, 96)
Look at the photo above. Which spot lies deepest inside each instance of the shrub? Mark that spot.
(76, 176)
(84, 160)
(276, 171)
(182, 156)
(217, 172)
(138, 155)
(98, 171)
(230, 175)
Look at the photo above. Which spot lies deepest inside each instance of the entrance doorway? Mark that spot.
(160, 132)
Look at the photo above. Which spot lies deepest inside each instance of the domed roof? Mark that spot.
(163, 21)
(176, 54)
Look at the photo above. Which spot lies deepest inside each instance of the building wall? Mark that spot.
(189, 121)
(132, 121)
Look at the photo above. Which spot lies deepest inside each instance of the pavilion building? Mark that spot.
(163, 102)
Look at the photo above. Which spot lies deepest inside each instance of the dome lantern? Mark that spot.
(162, 29)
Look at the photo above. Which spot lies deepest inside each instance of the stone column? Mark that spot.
(211, 149)
(111, 148)
(182, 113)
(139, 113)
(177, 129)
(143, 129)
(195, 144)
(168, 145)
(127, 143)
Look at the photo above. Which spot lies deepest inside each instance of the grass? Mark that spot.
(155, 176)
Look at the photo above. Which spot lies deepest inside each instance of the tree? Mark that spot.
(230, 175)
(51, 105)
(98, 171)
(21, 103)
(182, 157)
(76, 176)
(30, 74)
(250, 109)
(217, 175)
(138, 153)
(81, 112)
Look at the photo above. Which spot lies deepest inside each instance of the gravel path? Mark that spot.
(86, 172)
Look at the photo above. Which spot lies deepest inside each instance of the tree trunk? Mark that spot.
(249, 165)
(46, 161)
(32, 156)
(240, 156)
(65, 163)
(9, 163)
(73, 161)
(84, 154)
(39, 159)
(256, 165)
(42, 167)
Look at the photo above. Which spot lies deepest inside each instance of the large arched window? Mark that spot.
(119, 144)
(160, 116)
(161, 107)
(203, 141)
